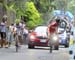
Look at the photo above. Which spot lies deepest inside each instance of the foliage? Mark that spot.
(26, 9)
(19, 8)
(17, 21)
(32, 15)
(71, 6)
(44, 6)
(9, 6)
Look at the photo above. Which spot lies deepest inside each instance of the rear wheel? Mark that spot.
(56, 47)
(17, 45)
(30, 46)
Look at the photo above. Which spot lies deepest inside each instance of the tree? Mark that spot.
(19, 7)
(2, 9)
(6, 9)
(43, 5)
(15, 7)
(71, 6)
(32, 15)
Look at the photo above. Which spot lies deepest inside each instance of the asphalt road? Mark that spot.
(39, 53)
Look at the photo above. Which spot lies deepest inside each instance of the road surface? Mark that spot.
(39, 53)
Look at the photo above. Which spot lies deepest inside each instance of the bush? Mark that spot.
(32, 15)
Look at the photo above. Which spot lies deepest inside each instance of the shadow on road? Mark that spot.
(46, 48)
(42, 48)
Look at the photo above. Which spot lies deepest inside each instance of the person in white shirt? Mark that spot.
(10, 33)
(3, 27)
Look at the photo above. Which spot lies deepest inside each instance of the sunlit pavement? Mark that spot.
(39, 53)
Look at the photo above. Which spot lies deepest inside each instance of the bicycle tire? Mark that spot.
(16, 49)
(51, 49)
(16, 43)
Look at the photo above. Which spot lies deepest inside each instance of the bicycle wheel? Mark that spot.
(50, 49)
(16, 43)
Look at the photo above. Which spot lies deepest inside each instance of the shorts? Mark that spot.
(3, 34)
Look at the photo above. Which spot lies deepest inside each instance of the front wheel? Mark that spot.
(50, 49)
(56, 47)
(17, 46)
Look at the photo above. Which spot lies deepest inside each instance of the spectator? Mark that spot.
(25, 33)
(3, 31)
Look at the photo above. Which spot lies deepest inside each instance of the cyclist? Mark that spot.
(18, 26)
(22, 25)
(52, 27)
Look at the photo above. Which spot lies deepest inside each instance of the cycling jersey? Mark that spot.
(18, 29)
(52, 27)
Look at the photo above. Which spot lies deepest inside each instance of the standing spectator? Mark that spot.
(3, 31)
(10, 36)
(25, 34)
